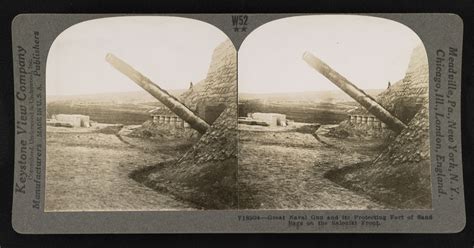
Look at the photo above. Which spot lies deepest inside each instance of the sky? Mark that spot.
(368, 51)
(171, 51)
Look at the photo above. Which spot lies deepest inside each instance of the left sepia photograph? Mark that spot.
(141, 116)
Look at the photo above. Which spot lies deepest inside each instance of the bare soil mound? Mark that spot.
(400, 175)
(206, 176)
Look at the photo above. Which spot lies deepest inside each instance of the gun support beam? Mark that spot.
(164, 97)
(357, 94)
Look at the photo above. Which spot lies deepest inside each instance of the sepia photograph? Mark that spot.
(330, 112)
(333, 115)
(237, 123)
(141, 116)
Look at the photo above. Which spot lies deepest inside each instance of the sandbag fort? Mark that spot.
(377, 158)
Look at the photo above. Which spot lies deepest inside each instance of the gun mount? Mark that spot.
(353, 91)
(164, 97)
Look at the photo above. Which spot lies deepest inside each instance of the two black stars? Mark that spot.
(242, 29)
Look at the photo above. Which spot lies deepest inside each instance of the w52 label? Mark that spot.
(239, 22)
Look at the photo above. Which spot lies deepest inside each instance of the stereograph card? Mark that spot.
(237, 123)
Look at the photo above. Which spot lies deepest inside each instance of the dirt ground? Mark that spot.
(88, 170)
(285, 169)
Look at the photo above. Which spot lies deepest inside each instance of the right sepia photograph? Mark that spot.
(333, 115)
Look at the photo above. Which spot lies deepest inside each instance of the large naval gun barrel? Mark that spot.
(164, 97)
(357, 94)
